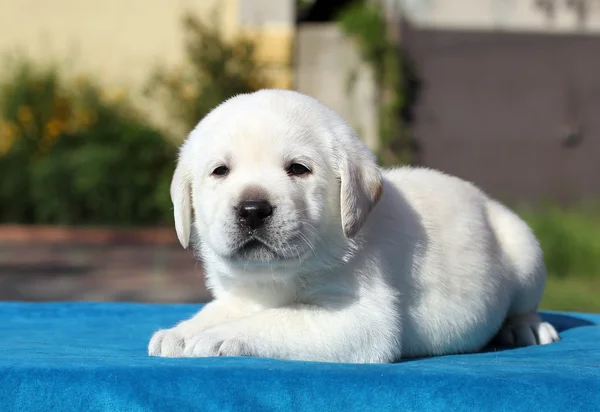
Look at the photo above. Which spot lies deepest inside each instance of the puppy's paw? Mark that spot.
(168, 343)
(527, 330)
(219, 342)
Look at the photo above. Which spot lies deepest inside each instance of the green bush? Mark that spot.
(394, 74)
(215, 70)
(70, 155)
(570, 239)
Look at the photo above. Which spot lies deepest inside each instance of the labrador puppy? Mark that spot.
(314, 253)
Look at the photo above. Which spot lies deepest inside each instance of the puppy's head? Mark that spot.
(273, 178)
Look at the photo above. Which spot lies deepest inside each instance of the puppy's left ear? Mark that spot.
(361, 185)
(182, 208)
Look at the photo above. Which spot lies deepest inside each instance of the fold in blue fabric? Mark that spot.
(92, 357)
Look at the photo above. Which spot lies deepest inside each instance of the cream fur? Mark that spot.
(362, 265)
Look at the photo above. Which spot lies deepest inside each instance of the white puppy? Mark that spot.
(313, 253)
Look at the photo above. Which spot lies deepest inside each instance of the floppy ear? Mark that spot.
(182, 208)
(361, 186)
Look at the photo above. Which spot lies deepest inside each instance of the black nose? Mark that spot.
(253, 213)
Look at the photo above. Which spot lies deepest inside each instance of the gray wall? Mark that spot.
(516, 113)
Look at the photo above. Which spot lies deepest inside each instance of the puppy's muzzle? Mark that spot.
(252, 214)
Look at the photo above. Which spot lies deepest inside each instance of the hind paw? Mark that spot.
(526, 331)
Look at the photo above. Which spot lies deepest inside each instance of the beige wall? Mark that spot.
(272, 25)
(119, 40)
(326, 59)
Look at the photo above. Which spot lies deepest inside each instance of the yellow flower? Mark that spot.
(5, 145)
(116, 95)
(9, 129)
(25, 115)
(81, 81)
(62, 108)
(82, 119)
(53, 128)
(8, 133)
(189, 92)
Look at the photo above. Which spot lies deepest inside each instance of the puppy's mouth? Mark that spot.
(256, 250)
(252, 245)
(260, 251)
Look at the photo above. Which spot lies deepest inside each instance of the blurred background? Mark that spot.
(95, 97)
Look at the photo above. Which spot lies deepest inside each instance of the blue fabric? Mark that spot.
(92, 357)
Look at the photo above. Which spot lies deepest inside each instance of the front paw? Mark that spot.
(169, 343)
(219, 342)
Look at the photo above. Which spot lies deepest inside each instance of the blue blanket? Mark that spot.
(92, 357)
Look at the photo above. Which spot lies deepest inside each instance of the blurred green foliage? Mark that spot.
(73, 154)
(570, 239)
(70, 154)
(215, 70)
(394, 76)
(577, 294)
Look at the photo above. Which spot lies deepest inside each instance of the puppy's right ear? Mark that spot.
(182, 208)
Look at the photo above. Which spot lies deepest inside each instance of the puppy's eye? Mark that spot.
(296, 169)
(221, 171)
